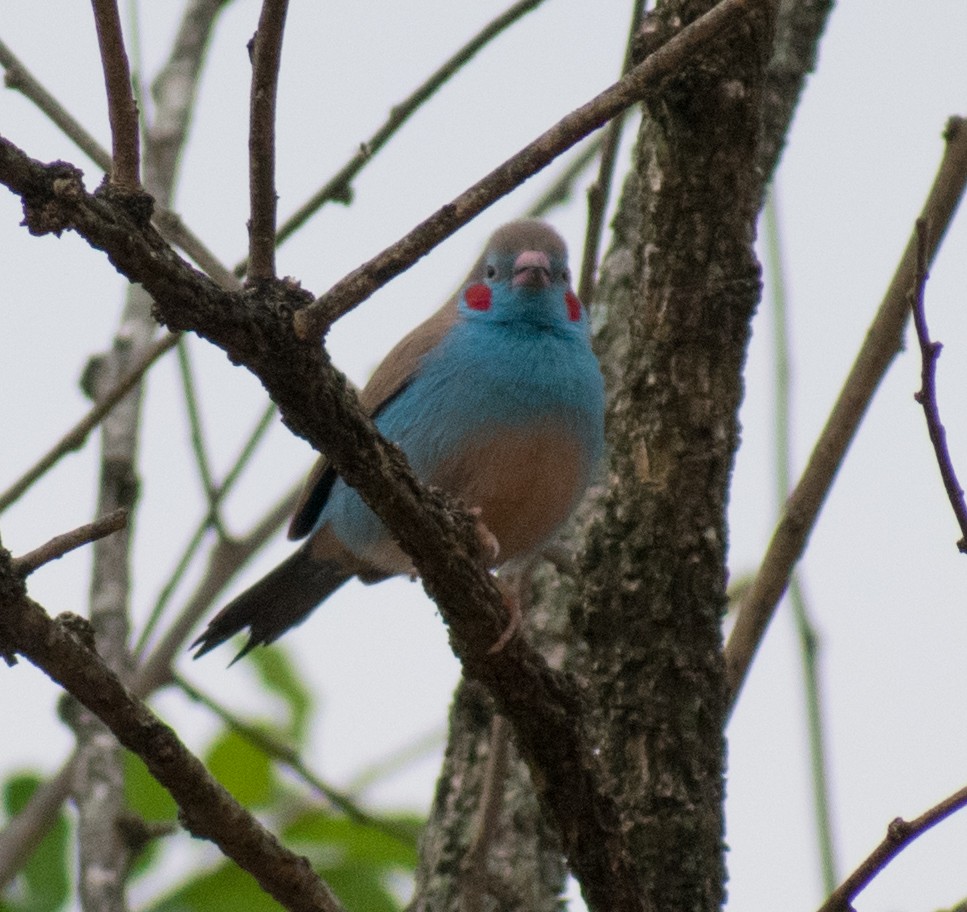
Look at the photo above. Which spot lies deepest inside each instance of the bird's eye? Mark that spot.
(491, 272)
(566, 275)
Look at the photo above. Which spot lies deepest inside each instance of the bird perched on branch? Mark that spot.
(497, 398)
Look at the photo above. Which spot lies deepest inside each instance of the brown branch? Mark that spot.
(122, 108)
(21, 835)
(882, 343)
(339, 187)
(644, 81)
(266, 52)
(927, 395)
(74, 439)
(62, 648)
(60, 545)
(899, 834)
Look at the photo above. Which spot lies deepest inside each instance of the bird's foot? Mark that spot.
(488, 541)
(512, 604)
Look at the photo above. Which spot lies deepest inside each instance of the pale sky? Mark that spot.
(885, 581)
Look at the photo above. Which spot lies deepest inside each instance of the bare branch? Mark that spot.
(60, 545)
(899, 834)
(266, 52)
(61, 648)
(122, 109)
(643, 81)
(74, 439)
(881, 345)
(927, 395)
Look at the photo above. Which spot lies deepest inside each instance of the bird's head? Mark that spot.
(523, 275)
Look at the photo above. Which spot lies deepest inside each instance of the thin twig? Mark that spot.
(600, 191)
(899, 834)
(74, 439)
(122, 109)
(339, 187)
(60, 545)
(643, 80)
(881, 345)
(927, 395)
(266, 53)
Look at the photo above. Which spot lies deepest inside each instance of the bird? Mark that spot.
(497, 398)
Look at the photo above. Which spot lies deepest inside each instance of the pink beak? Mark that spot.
(532, 269)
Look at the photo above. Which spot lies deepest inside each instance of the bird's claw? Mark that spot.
(488, 541)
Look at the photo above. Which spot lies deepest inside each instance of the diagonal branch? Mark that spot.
(881, 345)
(899, 834)
(74, 439)
(63, 544)
(63, 650)
(339, 187)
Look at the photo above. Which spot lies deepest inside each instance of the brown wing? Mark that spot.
(388, 379)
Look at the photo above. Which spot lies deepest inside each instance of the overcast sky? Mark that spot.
(885, 581)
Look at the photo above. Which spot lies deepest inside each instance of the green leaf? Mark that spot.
(144, 794)
(225, 889)
(242, 768)
(361, 888)
(277, 673)
(318, 832)
(43, 880)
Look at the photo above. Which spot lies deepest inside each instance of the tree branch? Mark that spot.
(60, 545)
(899, 834)
(75, 438)
(881, 345)
(63, 649)
(927, 395)
(339, 187)
(266, 52)
(122, 109)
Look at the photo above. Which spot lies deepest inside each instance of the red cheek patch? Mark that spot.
(478, 297)
(573, 306)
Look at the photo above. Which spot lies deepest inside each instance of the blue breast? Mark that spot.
(485, 377)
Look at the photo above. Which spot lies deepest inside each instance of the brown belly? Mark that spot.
(525, 482)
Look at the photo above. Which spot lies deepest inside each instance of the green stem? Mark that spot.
(808, 641)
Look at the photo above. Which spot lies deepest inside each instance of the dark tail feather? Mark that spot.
(280, 600)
